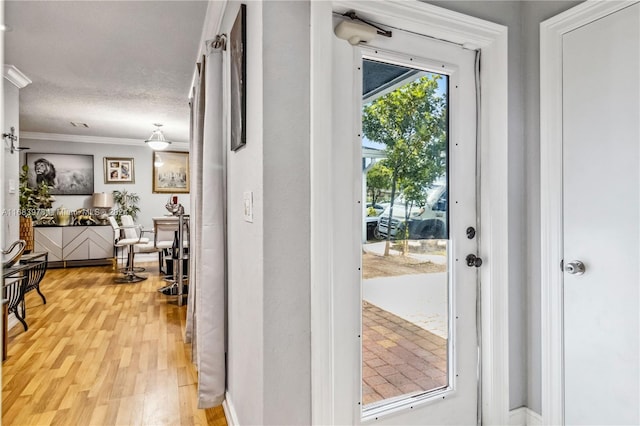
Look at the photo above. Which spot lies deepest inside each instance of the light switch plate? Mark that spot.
(248, 206)
(12, 186)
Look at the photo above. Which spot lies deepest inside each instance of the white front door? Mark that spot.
(601, 206)
(411, 310)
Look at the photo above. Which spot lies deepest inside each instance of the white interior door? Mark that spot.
(601, 202)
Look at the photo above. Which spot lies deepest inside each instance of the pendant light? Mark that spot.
(156, 141)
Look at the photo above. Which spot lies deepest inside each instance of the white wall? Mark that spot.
(150, 204)
(246, 324)
(10, 171)
(269, 377)
(287, 308)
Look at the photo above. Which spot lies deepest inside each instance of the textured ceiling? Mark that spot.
(118, 66)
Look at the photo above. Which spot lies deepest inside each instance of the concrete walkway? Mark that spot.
(420, 299)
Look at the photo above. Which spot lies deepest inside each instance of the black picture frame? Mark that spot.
(67, 174)
(238, 54)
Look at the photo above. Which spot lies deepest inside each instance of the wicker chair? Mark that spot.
(19, 280)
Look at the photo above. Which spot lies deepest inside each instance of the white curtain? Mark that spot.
(205, 326)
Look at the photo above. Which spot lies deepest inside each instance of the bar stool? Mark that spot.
(131, 238)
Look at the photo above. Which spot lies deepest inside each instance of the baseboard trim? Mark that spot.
(523, 416)
(230, 411)
(533, 418)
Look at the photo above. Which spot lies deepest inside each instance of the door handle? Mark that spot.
(575, 268)
(473, 260)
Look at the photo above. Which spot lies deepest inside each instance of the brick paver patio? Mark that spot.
(399, 357)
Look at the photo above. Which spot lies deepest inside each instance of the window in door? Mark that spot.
(405, 249)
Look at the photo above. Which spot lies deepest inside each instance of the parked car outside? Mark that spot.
(374, 209)
(372, 214)
(428, 222)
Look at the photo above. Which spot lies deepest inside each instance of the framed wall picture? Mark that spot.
(68, 174)
(238, 52)
(170, 172)
(119, 170)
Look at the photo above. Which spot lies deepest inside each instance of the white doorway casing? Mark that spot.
(555, 126)
(334, 263)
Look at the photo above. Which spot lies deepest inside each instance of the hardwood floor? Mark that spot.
(100, 353)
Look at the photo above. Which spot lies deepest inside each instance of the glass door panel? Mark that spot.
(405, 250)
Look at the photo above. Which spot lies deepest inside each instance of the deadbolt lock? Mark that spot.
(471, 232)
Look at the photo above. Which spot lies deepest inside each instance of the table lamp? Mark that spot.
(102, 202)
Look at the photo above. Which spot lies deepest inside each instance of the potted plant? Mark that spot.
(126, 203)
(32, 204)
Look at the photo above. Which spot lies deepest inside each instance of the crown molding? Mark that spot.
(16, 77)
(57, 137)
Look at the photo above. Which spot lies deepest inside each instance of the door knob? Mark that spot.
(575, 268)
(473, 260)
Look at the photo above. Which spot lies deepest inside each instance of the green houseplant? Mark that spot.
(126, 203)
(33, 202)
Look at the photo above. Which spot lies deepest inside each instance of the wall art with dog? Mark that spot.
(68, 174)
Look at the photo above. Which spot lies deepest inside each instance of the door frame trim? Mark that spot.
(551, 221)
(491, 39)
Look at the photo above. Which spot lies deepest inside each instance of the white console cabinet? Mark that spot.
(75, 245)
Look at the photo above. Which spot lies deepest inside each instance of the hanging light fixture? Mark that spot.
(156, 141)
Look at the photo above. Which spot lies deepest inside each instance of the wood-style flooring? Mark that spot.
(100, 353)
